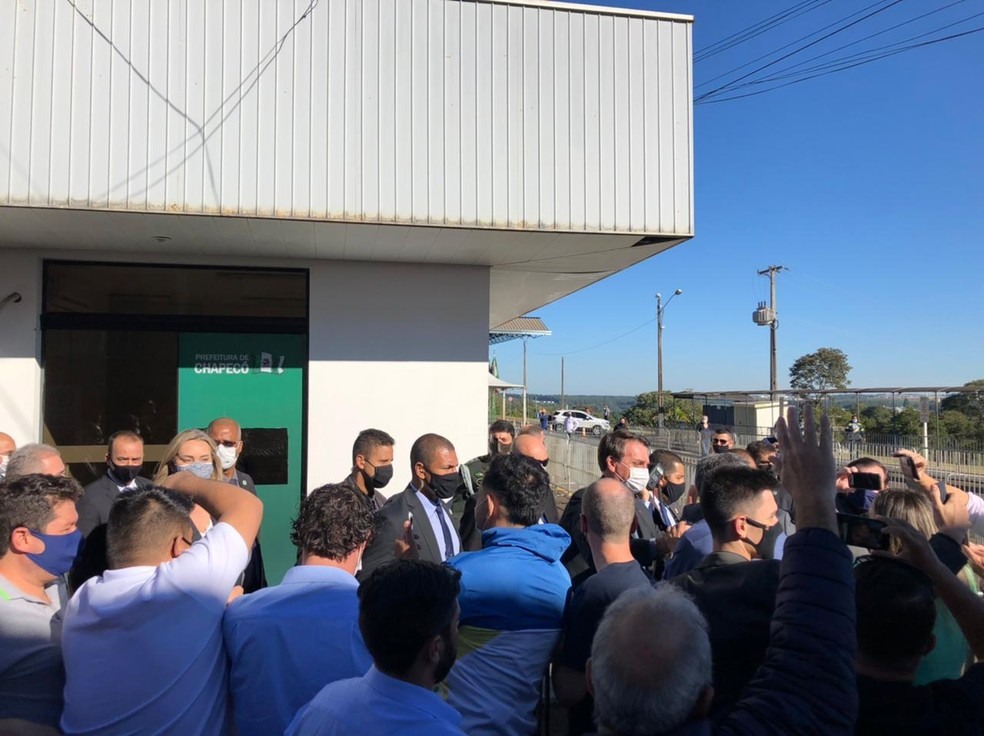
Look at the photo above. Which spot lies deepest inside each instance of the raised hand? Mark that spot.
(806, 465)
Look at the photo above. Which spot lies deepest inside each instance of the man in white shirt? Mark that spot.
(143, 643)
(287, 642)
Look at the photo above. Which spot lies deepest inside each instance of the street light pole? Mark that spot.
(659, 353)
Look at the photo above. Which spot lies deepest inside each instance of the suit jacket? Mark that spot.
(389, 528)
(246, 481)
(254, 576)
(98, 499)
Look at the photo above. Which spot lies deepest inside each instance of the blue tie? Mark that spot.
(448, 539)
(666, 515)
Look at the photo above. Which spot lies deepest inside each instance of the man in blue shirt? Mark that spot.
(408, 615)
(513, 594)
(287, 642)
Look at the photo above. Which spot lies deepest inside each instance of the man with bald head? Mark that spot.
(530, 442)
(228, 438)
(7, 446)
(607, 520)
(420, 516)
(34, 458)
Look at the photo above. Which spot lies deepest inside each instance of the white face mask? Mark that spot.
(227, 456)
(638, 478)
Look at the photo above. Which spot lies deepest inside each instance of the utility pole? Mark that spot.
(660, 411)
(525, 340)
(763, 317)
(562, 404)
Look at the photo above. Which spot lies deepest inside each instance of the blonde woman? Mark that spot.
(193, 451)
(951, 654)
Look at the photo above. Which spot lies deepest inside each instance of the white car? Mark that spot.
(584, 420)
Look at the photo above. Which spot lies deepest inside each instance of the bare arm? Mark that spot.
(235, 506)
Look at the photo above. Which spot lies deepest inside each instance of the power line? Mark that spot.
(757, 29)
(882, 32)
(844, 68)
(725, 87)
(791, 43)
(601, 344)
(861, 55)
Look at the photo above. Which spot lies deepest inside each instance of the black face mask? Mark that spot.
(125, 474)
(384, 474)
(766, 549)
(445, 486)
(673, 491)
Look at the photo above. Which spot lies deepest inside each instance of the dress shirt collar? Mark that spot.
(412, 696)
(318, 574)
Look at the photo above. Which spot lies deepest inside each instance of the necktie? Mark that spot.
(666, 515)
(448, 539)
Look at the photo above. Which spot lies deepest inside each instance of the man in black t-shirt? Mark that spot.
(607, 521)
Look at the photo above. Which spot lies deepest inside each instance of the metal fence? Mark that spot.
(574, 463)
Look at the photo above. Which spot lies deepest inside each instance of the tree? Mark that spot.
(825, 369)
(971, 405)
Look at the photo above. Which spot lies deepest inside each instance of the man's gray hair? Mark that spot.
(647, 679)
(28, 460)
(710, 464)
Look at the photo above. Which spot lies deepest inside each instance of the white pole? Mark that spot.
(925, 442)
(524, 380)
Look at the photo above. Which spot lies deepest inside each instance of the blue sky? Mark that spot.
(867, 184)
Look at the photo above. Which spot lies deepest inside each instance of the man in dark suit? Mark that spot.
(124, 460)
(622, 456)
(228, 438)
(418, 521)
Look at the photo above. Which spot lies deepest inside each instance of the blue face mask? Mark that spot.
(199, 470)
(60, 551)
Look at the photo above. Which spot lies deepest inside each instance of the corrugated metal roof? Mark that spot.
(518, 327)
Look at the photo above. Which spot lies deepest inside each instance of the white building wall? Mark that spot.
(452, 112)
(20, 341)
(399, 347)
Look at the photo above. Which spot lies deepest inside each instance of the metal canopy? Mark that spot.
(516, 328)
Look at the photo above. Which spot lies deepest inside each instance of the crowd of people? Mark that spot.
(468, 604)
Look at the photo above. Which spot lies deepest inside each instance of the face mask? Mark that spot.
(125, 474)
(445, 486)
(60, 551)
(766, 547)
(673, 491)
(637, 480)
(719, 449)
(498, 448)
(227, 456)
(199, 470)
(384, 474)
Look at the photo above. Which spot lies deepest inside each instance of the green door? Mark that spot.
(258, 380)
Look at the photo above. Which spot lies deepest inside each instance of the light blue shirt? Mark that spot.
(435, 523)
(287, 642)
(376, 705)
